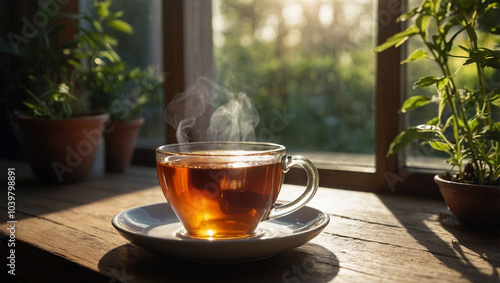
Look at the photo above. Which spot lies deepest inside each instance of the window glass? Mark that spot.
(309, 69)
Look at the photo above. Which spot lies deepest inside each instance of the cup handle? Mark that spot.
(312, 185)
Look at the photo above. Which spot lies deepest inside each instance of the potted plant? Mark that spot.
(110, 85)
(60, 138)
(124, 106)
(466, 124)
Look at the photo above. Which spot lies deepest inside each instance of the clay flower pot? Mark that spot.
(473, 205)
(120, 140)
(61, 150)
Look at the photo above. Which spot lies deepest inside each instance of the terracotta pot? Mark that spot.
(120, 140)
(61, 150)
(473, 205)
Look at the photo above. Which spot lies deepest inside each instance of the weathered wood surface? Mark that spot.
(64, 234)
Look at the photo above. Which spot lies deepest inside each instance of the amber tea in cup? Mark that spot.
(222, 190)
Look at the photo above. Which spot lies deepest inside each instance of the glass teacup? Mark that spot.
(222, 190)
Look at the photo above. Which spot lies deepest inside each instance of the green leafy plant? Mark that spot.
(106, 80)
(43, 80)
(465, 126)
(63, 80)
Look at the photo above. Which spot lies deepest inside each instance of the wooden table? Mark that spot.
(64, 234)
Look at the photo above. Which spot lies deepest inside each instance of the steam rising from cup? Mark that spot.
(208, 112)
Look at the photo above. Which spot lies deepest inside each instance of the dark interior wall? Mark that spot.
(10, 147)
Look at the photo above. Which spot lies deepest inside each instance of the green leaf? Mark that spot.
(97, 25)
(75, 64)
(473, 123)
(464, 48)
(484, 57)
(414, 102)
(111, 55)
(423, 22)
(397, 39)
(411, 134)
(30, 105)
(120, 25)
(110, 40)
(441, 83)
(437, 5)
(495, 30)
(491, 6)
(493, 97)
(449, 122)
(460, 122)
(38, 111)
(102, 8)
(493, 62)
(58, 97)
(134, 73)
(426, 81)
(441, 107)
(433, 122)
(91, 38)
(415, 56)
(427, 5)
(441, 146)
(438, 40)
(117, 15)
(408, 15)
(492, 134)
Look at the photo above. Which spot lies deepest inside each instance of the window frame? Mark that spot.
(192, 17)
(181, 18)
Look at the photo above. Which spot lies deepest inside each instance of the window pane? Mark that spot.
(141, 49)
(309, 69)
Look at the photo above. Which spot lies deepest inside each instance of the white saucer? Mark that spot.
(156, 228)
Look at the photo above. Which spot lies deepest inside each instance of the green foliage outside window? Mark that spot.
(312, 80)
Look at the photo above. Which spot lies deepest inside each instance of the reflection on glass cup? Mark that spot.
(223, 190)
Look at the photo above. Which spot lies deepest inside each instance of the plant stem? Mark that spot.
(486, 110)
(458, 109)
(450, 93)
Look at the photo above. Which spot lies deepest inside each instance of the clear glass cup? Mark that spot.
(222, 190)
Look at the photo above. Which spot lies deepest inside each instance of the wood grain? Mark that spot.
(64, 234)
